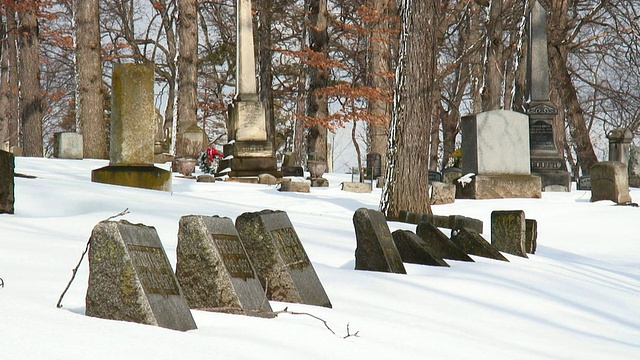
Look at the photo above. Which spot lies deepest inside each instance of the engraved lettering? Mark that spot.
(233, 256)
(153, 270)
(290, 248)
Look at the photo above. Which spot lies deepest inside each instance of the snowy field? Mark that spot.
(578, 297)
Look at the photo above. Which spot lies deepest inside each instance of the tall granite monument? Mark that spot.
(546, 161)
(249, 151)
(132, 131)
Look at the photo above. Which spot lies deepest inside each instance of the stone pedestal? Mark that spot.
(133, 132)
(500, 186)
(68, 145)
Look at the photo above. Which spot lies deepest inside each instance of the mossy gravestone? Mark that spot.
(439, 244)
(508, 232)
(473, 243)
(7, 165)
(279, 258)
(131, 279)
(375, 249)
(413, 249)
(214, 270)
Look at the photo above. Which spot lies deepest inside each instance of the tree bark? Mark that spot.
(31, 96)
(89, 105)
(493, 76)
(265, 70)
(187, 105)
(317, 105)
(406, 186)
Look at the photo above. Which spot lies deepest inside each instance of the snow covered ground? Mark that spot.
(578, 297)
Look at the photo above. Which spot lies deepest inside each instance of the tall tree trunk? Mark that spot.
(406, 186)
(380, 68)
(493, 76)
(4, 86)
(265, 70)
(475, 67)
(317, 105)
(187, 106)
(29, 72)
(89, 105)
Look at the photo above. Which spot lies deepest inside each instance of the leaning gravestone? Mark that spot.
(439, 244)
(508, 232)
(609, 181)
(413, 249)
(282, 264)
(214, 270)
(375, 250)
(131, 279)
(7, 165)
(474, 244)
(531, 236)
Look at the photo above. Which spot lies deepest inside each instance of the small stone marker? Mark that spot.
(450, 175)
(442, 193)
(413, 249)
(131, 279)
(508, 232)
(584, 182)
(214, 270)
(356, 187)
(295, 186)
(281, 263)
(459, 221)
(68, 145)
(375, 249)
(474, 244)
(609, 181)
(438, 244)
(205, 178)
(7, 166)
(434, 176)
(531, 236)
(267, 179)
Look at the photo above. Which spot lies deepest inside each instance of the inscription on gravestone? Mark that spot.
(155, 274)
(233, 256)
(290, 250)
(541, 135)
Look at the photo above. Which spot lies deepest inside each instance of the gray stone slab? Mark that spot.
(7, 174)
(214, 269)
(375, 249)
(356, 187)
(442, 193)
(531, 236)
(295, 186)
(131, 279)
(508, 232)
(439, 244)
(413, 249)
(609, 181)
(68, 145)
(474, 244)
(282, 264)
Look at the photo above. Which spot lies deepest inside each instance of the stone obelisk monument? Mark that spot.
(546, 161)
(249, 152)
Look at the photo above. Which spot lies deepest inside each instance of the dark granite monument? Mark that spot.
(7, 166)
(375, 250)
(414, 250)
(131, 279)
(508, 232)
(281, 263)
(214, 270)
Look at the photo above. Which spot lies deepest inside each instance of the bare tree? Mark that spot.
(187, 72)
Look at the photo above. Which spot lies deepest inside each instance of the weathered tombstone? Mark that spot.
(450, 175)
(442, 193)
(620, 145)
(68, 145)
(508, 232)
(438, 244)
(375, 249)
(495, 145)
(584, 183)
(374, 165)
(434, 176)
(356, 187)
(634, 166)
(132, 131)
(214, 269)
(294, 186)
(7, 166)
(440, 221)
(474, 244)
(267, 179)
(459, 221)
(131, 279)
(250, 145)
(609, 181)
(282, 264)
(546, 161)
(206, 178)
(292, 171)
(531, 242)
(413, 249)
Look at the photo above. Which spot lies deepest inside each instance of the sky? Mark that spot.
(576, 298)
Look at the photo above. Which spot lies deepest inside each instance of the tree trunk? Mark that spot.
(29, 72)
(317, 105)
(89, 105)
(187, 105)
(265, 70)
(380, 67)
(406, 186)
(4, 86)
(493, 76)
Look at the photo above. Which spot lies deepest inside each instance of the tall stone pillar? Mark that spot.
(248, 153)
(546, 161)
(132, 131)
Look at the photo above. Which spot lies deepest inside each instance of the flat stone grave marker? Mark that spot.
(214, 269)
(474, 244)
(7, 174)
(375, 250)
(508, 232)
(439, 244)
(68, 145)
(531, 236)
(281, 263)
(610, 181)
(131, 279)
(295, 186)
(413, 249)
